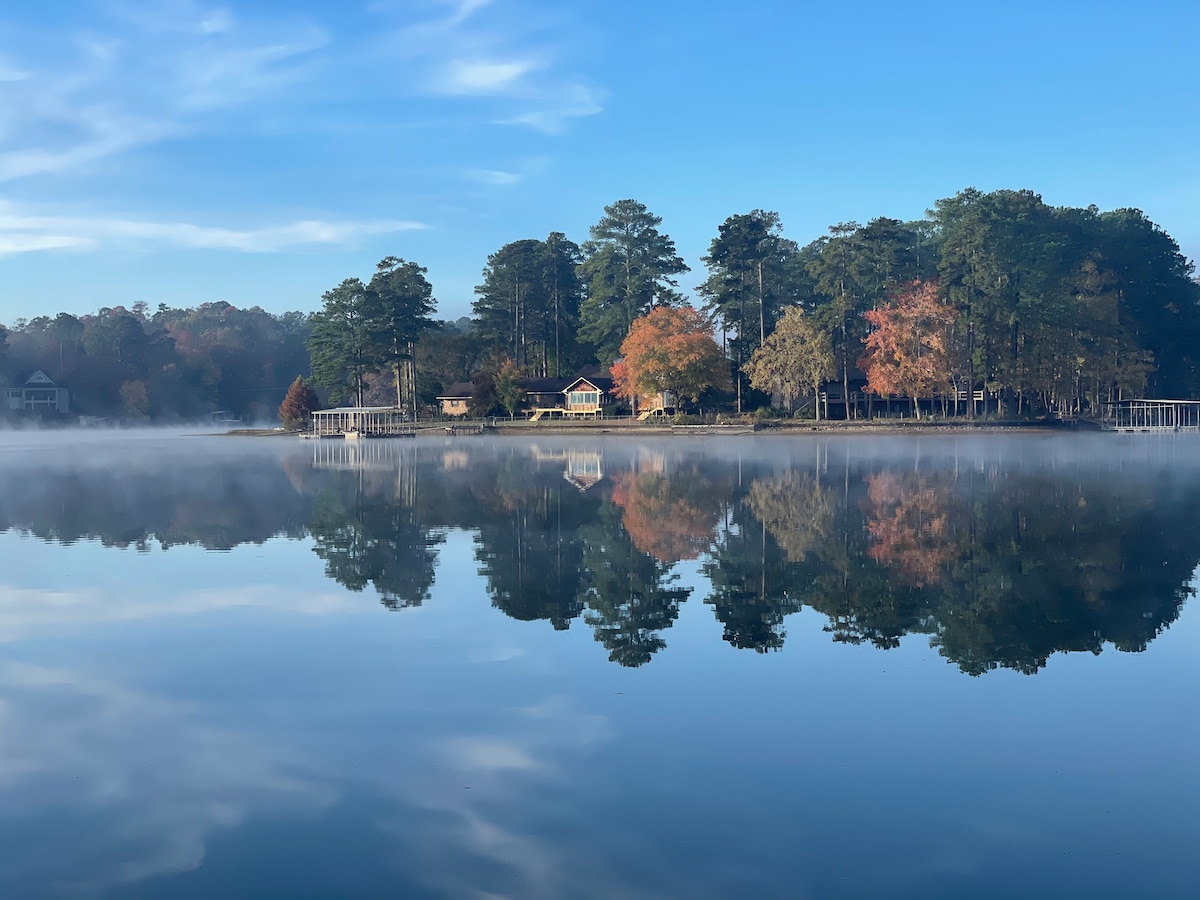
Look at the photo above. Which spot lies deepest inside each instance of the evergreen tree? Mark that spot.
(400, 306)
(343, 344)
(627, 269)
(511, 304)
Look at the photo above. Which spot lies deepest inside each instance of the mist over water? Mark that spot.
(934, 666)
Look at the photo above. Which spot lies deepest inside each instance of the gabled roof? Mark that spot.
(34, 378)
(601, 383)
(461, 390)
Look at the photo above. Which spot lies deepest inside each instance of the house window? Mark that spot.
(585, 398)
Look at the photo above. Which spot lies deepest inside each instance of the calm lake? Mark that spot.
(478, 667)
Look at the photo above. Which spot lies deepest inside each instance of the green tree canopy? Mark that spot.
(400, 306)
(343, 346)
(627, 271)
(797, 357)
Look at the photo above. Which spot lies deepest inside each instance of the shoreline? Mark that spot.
(632, 430)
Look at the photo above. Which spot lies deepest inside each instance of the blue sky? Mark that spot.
(182, 151)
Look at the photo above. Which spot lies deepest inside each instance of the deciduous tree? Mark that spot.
(298, 406)
(907, 351)
(670, 350)
(796, 357)
(510, 387)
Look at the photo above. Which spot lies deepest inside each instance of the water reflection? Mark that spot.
(1000, 558)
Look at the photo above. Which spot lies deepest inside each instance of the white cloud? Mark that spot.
(217, 22)
(482, 76)
(149, 72)
(557, 107)
(21, 233)
(25, 610)
(492, 177)
(519, 63)
(466, 8)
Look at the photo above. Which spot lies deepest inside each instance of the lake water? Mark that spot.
(482, 668)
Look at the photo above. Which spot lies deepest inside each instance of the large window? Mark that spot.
(584, 398)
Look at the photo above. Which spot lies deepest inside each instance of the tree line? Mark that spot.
(997, 295)
(166, 365)
(1032, 307)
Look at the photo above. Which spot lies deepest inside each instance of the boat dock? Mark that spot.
(1152, 416)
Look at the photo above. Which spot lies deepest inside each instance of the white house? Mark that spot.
(37, 392)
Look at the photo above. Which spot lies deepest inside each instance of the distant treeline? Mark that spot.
(1048, 309)
(170, 365)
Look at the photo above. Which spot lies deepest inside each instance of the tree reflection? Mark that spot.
(671, 516)
(1062, 566)
(753, 583)
(907, 516)
(631, 596)
(153, 501)
(998, 564)
(528, 547)
(367, 535)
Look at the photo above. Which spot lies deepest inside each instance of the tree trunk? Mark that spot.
(762, 316)
(971, 371)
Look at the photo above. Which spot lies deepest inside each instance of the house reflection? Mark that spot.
(583, 469)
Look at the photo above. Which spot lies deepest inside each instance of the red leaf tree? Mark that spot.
(298, 406)
(908, 349)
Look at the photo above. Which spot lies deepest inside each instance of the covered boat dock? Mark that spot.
(1152, 415)
(354, 422)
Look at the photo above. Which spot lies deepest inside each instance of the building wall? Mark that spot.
(39, 398)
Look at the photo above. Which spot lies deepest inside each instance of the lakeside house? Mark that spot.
(456, 399)
(587, 393)
(581, 396)
(37, 392)
(663, 403)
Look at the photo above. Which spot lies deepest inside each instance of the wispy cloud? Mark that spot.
(493, 177)
(512, 56)
(22, 233)
(27, 610)
(145, 73)
(558, 108)
(482, 76)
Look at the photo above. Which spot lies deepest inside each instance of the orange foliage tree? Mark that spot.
(660, 519)
(670, 350)
(909, 519)
(908, 349)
